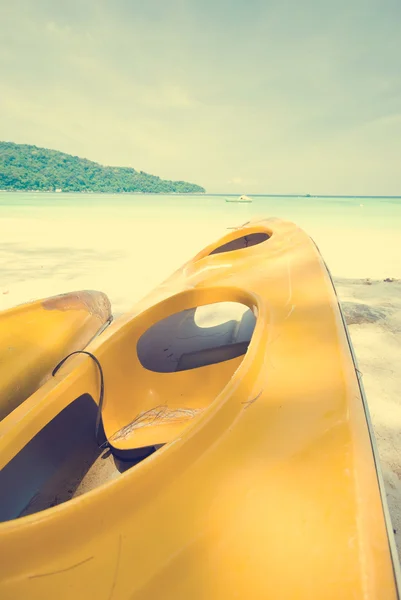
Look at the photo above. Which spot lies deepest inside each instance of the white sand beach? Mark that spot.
(126, 255)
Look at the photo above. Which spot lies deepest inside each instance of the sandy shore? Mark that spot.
(46, 260)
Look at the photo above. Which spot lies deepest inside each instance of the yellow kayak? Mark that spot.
(215, 444)
(36, 336)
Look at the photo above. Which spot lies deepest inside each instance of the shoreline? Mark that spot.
(206, 194)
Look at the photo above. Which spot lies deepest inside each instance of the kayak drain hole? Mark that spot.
(197, 337)
(245, 241)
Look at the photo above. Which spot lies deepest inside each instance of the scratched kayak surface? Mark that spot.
(36, 335)
(234, 457)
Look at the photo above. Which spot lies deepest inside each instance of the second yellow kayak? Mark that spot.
(35, 336)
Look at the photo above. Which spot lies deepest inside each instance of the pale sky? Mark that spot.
(273, 96)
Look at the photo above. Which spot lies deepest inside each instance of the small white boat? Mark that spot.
(240, 199)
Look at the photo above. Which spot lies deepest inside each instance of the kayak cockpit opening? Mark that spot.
(185, 361)
(197, 337)
(62, 461)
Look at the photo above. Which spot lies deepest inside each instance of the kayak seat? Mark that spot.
(207, 356)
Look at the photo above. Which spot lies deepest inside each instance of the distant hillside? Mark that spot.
(24, 167)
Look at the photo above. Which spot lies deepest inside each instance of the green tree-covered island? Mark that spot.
(28, 168)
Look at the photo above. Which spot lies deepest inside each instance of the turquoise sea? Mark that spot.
(328, 212)
(378, 212)
(126, 243)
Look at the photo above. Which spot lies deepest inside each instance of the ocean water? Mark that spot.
(125, 244)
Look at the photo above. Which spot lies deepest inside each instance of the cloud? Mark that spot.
(293, 96)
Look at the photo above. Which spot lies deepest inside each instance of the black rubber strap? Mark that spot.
(101, 396)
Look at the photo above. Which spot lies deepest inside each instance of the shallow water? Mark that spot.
(125, 244)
